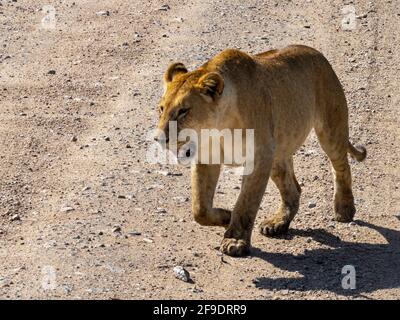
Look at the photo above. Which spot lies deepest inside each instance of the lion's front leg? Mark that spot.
(237, 238)
(204, 182)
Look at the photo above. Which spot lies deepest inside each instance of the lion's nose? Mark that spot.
(161, 138)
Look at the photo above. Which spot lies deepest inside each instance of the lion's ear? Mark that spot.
(173, 70)
(211, 85)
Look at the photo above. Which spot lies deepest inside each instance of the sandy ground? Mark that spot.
(84, 216)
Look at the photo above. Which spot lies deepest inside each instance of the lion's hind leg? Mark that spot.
(332, 129)
(285, 180)
(334, 141)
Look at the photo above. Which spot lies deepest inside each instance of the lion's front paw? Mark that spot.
(273, 227)
(234, 247)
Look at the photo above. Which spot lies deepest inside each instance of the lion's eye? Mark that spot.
(161, 109)
(182, 112)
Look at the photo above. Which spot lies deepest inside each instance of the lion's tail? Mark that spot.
(359, 153)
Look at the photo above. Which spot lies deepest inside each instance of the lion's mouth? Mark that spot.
(185, 152)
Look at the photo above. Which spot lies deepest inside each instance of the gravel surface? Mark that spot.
(84, 216)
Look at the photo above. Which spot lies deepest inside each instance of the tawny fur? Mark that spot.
(282, 95)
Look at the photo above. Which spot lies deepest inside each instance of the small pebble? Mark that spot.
(134, 233)
(164, 173)
(15, 217)
(164, 7)
(116, 229)
(103, 13)
(181, 274)
(312, 205)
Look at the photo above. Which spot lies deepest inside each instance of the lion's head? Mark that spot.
(189, 101)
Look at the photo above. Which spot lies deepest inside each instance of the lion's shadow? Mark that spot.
(377, 265)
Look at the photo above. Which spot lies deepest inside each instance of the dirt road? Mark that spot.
(83, 215)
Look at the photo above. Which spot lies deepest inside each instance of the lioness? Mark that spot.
(282, 95)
